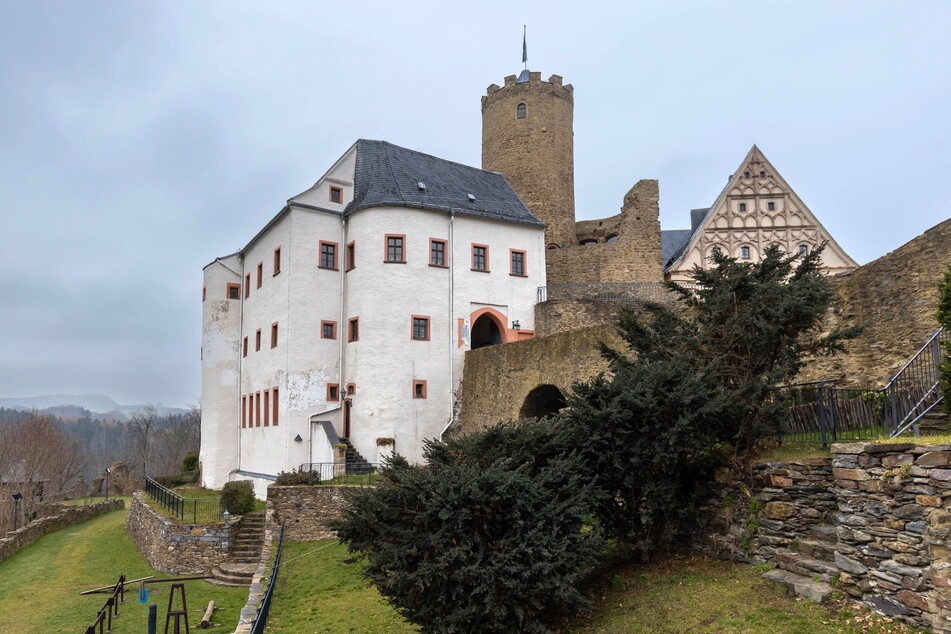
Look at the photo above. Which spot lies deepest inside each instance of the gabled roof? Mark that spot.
(700, 218)
(389, 175)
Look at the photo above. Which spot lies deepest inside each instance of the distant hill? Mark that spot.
(69, 405)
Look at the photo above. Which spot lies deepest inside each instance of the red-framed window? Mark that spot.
(257, 409)
(267, 408)
(247, 286)
(351, 256)
(244, 348)
(260, 274)
(517, 263)
(419, 328)
(395, 248)
(437, 253)
(328, 255)
(419, 389)
(275, 404)
(277, 260)
(274, 335)
(244, 412)
(336, 194)
(333, 392)
(257, 340)
(328, 330)
(480, 257)
(353, 329)
(204, 293)
(351, 389)
(234, 291)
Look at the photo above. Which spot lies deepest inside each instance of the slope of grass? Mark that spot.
(40, 585)
(317, 592)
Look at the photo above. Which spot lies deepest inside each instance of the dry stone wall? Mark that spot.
(307, 510)
(874, 521)
(64, 517)
(178, 548)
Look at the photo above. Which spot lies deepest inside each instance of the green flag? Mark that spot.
(524, 45)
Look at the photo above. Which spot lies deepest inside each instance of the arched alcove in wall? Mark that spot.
(543, 400)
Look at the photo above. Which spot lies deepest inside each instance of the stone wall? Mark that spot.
(895, 297)
(178, 548)
(66, 516)
(308, 509)
(562, 315)
(496, 380)
(634, 257)
(872, 520)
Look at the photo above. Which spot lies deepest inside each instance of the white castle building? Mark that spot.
(349, 313)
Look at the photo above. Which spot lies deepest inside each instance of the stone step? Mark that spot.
(804, 565)
(817, 549)
(823, 533)
(799, 585)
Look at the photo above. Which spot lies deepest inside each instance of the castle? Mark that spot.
(348, 316)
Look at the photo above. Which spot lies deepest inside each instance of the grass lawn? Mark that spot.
(40, 585)
(317, 592)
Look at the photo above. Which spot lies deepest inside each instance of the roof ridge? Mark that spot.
(432, 156)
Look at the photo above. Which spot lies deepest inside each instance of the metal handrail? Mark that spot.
(343, 472)
(200, 509)
(264, 610)
(920, 380)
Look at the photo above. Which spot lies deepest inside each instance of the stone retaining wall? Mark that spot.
(66, 516)
(872, 520)
(178, 548)
(308, 509)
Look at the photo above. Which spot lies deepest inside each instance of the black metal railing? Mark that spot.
(264, 610)
(916, 389)
(343, 472)
(109, 609)
(196, 510)
(613, 292)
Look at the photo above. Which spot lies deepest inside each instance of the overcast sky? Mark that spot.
(140, 140)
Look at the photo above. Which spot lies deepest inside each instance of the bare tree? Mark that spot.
(142, 424)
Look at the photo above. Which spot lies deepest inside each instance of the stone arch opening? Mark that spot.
(486, 331)
(542, 401)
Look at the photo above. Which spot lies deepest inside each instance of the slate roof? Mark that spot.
(672, 242)
(387, 175)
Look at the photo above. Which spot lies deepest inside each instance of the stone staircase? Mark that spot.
(245, 554)
(356, 463)
(810, 570)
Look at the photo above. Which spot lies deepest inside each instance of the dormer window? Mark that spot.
(336, 194)
(520, 111)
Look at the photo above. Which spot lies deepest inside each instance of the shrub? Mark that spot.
(489, 537)
(295, 477)
(190, 462)
(238, 496)
(944, 319)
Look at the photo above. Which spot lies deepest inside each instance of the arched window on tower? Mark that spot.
(520, 111)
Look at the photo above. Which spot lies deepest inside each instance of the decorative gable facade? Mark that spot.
(756, 209)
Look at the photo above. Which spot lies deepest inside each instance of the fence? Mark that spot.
(197, 510)
(109, 609)
(264, 610)
(343, 473)
(822, 413)
(611, 291)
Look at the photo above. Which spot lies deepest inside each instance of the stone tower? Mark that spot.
(527, 136)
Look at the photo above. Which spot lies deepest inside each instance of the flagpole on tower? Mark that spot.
(525, 45)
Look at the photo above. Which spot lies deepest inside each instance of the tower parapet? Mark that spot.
(528, 137)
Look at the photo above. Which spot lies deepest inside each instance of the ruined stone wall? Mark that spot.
(873, 521)
(176, 548)
(64, 517)
(562, 315)
(895, 297)
(497, 379)
(634, 257)
(534, 153)
(307, 510)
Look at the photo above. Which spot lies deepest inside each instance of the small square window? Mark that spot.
(277, 260)
(274, 335)
(351, 389)
(247, 286)
(353, 333)
(394, 248)
(742, 206)
(419, 389)
(480, 257)
(420, 330)
(437, 252)
(518, 263)
(260, 274)
(771, 206)
(351, 256)
(328, 330)
(745, 253)
(336, 194)
(746, 174)
(762, 174)
(333, 392)
(803, 249)
(234, 291)
(328, 255)
(257, 340)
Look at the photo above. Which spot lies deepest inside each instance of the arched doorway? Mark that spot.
(485, 332)
(542, 401)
